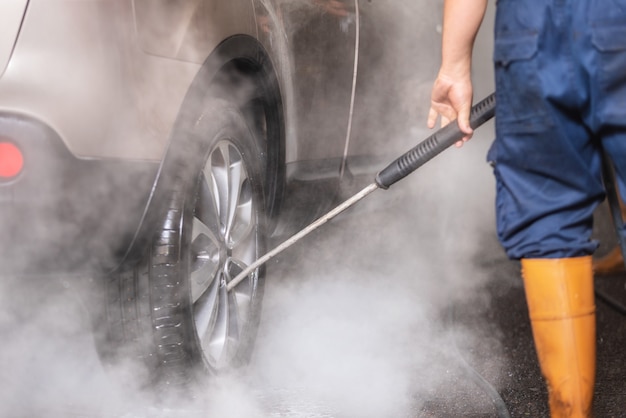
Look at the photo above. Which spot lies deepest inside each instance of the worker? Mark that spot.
(560, 96)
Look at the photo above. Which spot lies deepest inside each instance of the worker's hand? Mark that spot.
(451, 98)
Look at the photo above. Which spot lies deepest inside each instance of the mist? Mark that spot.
(359, 319)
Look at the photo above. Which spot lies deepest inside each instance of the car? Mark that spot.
(158, 147)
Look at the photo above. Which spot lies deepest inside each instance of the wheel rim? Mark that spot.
(224, 240)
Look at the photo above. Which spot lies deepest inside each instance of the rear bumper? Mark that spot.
(62, 213)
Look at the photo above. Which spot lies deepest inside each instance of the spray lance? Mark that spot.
(394, 172)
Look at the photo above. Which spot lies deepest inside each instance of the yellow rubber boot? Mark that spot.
(560, 298)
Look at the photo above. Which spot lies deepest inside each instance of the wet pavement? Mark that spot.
(522, 389)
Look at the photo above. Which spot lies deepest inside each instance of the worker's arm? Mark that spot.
(451, 95)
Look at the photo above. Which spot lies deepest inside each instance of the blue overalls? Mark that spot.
(561, 95)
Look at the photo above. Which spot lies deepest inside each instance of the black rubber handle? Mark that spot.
(434, 144)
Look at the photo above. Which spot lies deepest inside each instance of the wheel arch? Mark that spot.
(243, 56)
(239, 61)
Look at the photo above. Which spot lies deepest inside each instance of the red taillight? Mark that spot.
(11, 160)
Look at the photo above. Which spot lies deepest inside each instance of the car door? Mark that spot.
(313, 42)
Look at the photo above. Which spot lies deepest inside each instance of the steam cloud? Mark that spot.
(355, 319)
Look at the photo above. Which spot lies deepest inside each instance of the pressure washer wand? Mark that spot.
(394, 172)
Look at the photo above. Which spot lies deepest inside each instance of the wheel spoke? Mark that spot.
(237, 178)
(241, 294)
(243, 221)
(206, 209)
(246, 250)
(205, 258)
(205, 310)
(205, 238)
(216, 342)
(220, 180)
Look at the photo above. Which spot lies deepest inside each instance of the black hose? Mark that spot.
(502, 410)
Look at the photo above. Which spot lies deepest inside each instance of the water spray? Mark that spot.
(394, 172)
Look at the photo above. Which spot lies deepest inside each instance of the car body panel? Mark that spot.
(139, 79)
(189, 30)
(11, 13)
(315, 41)
(75, 83)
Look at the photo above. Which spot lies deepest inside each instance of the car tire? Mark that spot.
(172, 309)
